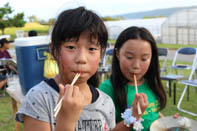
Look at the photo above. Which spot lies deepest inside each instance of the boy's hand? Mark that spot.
(143, 102)
(72, 104)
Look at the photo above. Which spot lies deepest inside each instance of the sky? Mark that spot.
(46, 9)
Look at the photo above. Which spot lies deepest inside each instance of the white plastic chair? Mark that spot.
(192, 81)
(163, 55)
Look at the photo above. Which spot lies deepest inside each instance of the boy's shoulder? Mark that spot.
(102, 94)
(40, 89)
(105, 98)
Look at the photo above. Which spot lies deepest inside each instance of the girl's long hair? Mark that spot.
(119, 82)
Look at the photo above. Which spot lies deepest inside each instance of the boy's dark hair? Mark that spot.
(70, 24)
(152, 76)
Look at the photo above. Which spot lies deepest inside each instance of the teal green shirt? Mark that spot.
(151, 113)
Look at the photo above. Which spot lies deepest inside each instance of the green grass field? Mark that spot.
(41, 29)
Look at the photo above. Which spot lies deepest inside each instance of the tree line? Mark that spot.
(7, 20)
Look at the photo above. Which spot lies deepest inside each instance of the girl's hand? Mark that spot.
(143, 102)
(72, 105)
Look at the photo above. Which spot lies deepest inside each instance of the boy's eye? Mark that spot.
(92, 49)
(70, 47)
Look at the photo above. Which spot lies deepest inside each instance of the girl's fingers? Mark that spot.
(142, 98)
(135, 100)
(145, 98)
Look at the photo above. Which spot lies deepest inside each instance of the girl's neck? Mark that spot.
(139, 82)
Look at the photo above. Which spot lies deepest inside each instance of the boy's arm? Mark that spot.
(31, 124)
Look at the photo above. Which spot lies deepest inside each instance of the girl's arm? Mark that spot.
(160, 115)
(143, 101)
(31, 124)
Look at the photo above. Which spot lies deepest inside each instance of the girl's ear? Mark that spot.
(117, 53)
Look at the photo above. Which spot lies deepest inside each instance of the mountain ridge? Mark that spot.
(153, 13)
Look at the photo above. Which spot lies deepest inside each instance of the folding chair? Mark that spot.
(192, 81)
(105, 68)
(179, 65)
(163, 55)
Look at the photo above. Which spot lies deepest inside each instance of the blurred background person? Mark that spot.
(10, 65)
(32, 33)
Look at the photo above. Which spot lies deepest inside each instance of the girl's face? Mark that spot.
(134, 58)
(80, 56)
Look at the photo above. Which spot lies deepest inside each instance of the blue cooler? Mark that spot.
(30, 60)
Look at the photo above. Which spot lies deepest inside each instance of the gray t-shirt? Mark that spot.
(42, 99)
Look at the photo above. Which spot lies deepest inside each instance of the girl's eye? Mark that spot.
(144, 59)
(129, 57)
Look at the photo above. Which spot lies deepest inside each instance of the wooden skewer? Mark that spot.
(59, 104)
(138, 104)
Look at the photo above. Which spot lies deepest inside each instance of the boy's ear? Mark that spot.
(117, 53)
(50, 50)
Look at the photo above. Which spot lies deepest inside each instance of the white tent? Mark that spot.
(180, 28)
(153, 25)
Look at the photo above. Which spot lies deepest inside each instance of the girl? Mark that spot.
(79, 37)
(135, 53)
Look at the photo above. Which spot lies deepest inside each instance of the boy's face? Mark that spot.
(80, 56)
(134, 58)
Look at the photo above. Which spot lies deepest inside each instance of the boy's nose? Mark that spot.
(81, 56)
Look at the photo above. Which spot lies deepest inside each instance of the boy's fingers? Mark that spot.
(75, 91)
(69, 91)
(61, 90)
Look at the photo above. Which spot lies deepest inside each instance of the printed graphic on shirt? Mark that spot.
(152, 107)
(91, 125)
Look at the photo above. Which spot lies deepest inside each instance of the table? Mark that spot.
(171, 78)
(16, 95)
(168, 122)
(15, 109)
